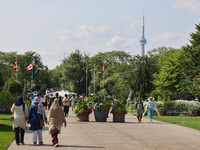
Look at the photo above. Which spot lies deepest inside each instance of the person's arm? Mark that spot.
(12, 108)
(136, 106)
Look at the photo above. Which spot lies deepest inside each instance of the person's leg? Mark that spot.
(22, 135)
(67, 107)
(140, 118)
(56, 139)
(40, 136)
(65, 110)
(35, 137)
(54, 136)
(17, 135)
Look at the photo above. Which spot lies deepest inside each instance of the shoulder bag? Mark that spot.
(41, 120)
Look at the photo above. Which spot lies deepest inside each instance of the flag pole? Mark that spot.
(86, 81)
(31, 80)
(94, 76)
(16, 71)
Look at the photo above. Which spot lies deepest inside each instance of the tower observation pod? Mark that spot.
(143, 41)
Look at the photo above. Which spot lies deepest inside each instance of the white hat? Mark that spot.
(151, 98)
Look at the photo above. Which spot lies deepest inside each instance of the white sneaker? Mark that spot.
(56, 145)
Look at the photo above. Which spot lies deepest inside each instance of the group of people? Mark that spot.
(150, 108)
(36, 117)
(56, 117)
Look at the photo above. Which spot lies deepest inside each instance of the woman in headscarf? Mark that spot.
(36, 113)
(56, 119)
(151, 107)
(20, 111)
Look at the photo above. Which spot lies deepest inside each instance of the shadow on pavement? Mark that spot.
(73, 146)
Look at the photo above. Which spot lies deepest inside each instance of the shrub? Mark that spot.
(13, 86)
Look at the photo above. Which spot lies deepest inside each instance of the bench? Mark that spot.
(3, 108)
(177, 110)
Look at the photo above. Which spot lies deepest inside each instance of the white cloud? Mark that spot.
(121, 42)
(168, 36)
(187, 5)
(94, 49)
(82, 32)
(40, 36)
(55, 51)
(47, 53)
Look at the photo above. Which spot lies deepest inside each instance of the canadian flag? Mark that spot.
(103, 68)
(86, 70)
(29, 67)
(15, 66)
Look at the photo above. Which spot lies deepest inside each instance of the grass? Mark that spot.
(191, 122)
(7, 134)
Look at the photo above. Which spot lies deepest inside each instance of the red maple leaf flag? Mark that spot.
(29, 67)
(15, 66)
(86, 70)
(103, 68)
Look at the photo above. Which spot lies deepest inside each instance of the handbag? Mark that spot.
(41, 120)
(12, 117)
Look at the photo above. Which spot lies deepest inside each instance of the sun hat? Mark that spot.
(151, 98)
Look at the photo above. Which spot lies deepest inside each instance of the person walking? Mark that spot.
(73, 101)
(36, 113)
(59, 98)
(46, 99)
(56, 119)
(42, 100)
(20, 112)
(50, 101)
(139, 109)
(151, 107)
(66, 104)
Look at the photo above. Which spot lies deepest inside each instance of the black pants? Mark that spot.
(17, 135)
(66, 110)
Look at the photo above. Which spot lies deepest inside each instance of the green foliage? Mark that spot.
(102, 102)
(168, 103)
(6, 132)
(6, 98)
(13, 86)
(119, 108)
(191, 122)
(82, 108)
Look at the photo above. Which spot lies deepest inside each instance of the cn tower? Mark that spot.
(143, 41)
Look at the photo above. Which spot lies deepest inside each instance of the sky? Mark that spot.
(56, 28)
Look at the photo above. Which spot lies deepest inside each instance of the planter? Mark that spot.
(161, 112)
(83, 118)
(101, 116)
(118, 118)
(193, 113)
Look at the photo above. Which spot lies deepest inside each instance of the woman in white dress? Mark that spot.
(20, 111)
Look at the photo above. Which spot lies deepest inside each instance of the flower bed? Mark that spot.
(192, 105)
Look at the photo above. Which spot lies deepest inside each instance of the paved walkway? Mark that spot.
(117, 136)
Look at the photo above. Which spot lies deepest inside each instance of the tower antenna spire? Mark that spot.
(143, 41)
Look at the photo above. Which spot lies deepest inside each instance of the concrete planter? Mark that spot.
(83, 118)
(118, 118)
(193, 113)
(161, 112)
(101, 116)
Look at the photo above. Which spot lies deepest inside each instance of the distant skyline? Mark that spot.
(54, 28)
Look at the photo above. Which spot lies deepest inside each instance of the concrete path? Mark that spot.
(117, 136)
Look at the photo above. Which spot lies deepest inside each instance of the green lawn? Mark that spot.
(192, 122)
(6, 133)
